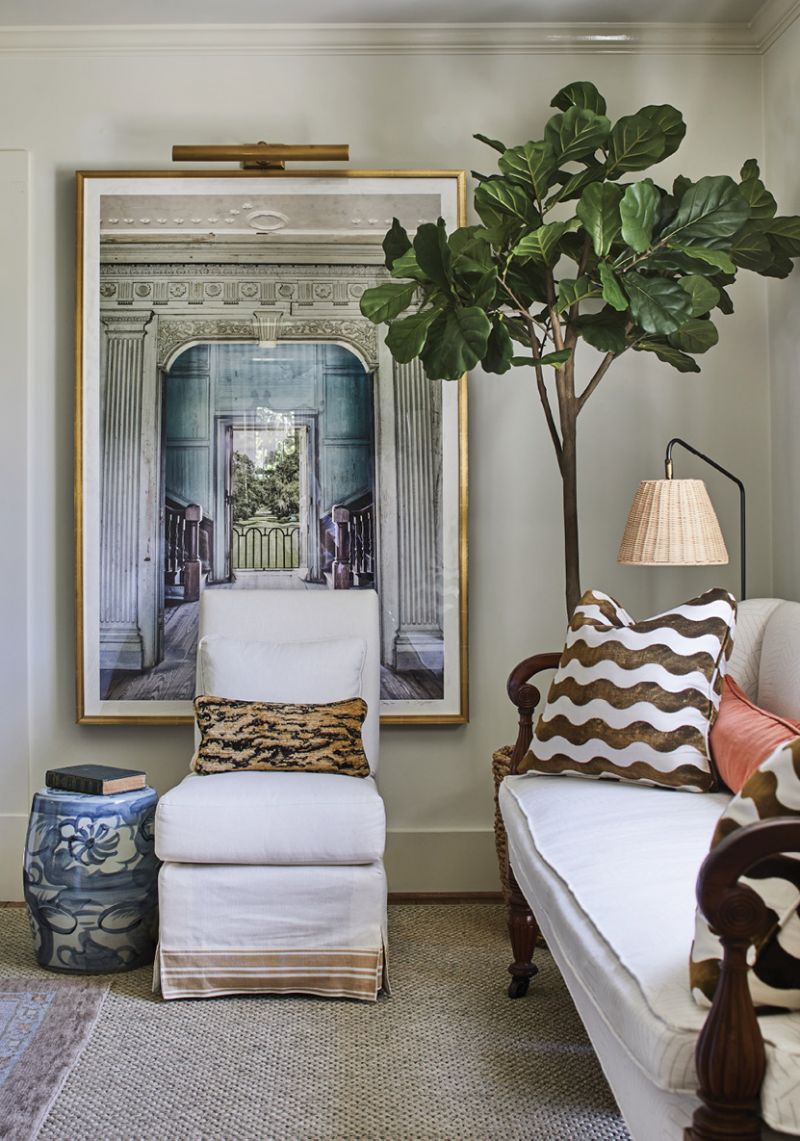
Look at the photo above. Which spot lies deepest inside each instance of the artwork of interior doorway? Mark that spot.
(241, 426)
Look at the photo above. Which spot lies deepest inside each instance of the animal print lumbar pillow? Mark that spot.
(774, 977)
(635, 700)
(239, 735)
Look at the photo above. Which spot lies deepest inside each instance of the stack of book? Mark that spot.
(99, 780)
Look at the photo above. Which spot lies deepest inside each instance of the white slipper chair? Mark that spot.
(274, 882)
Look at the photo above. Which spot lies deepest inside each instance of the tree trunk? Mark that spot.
(569, 479)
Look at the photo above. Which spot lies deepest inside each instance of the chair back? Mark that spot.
(304, 616)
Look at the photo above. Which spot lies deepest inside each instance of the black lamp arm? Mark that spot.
(729, 475)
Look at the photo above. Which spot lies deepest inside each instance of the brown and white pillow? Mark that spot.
(774, 977)
(280, 737)
(635, 701)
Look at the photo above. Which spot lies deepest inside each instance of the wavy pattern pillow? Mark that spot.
(238, 735)
(774, 978)
(635, 700)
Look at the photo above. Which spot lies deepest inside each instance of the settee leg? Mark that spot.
(523, 931)
(720, 1122)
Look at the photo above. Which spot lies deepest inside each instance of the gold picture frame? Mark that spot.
(216, 311)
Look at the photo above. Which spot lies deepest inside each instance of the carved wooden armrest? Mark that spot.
(730, 1050)
(526, 697)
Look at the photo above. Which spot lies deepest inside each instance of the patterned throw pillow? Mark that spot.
(237, 735)
(774, 978)
(635, 700)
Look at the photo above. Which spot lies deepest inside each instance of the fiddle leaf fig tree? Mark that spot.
(570, 248)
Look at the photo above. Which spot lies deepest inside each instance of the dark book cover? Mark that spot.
(100, 780)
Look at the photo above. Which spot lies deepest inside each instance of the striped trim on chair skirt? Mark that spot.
(235, 929)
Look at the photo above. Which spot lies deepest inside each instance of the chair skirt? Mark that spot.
(241, 928)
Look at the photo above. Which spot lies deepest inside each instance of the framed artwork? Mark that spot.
(240, 425)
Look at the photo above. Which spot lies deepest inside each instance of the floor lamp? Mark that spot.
(672, 523)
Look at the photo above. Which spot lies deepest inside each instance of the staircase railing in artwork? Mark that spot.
(353, 534)
(188, 542)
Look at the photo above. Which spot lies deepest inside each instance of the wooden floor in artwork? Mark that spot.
(173, 679)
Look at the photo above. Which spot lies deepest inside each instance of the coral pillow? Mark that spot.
(744, 735)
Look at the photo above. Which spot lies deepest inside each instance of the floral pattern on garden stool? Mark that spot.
(90, 878)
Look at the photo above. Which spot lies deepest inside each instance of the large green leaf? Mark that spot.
(518, 330)
(750, 169)
(761, 202)
(395, 244)
(576, 133)
(408, 266)
(704, 293)
(725, 303)
(572, 291)
(456, 341)
(499, 201)
(781, 264)
(695, 336)
(636, 142)
(495, 144)
(712, 208)
(574, 184)
(604, 331)
(580, 94)
(406, 337)
(658, 305)
(471, 253)
(670, 355)
(499, 349)
(556, 359)
(679, 186)
(531, 165)
(612, 290)
(717, 258)
(598, 210)
(638, 210)
(527, 281)
(433, 252)
(786, 232)
(750, 249)
(386, 301)
(669, 120)
(541, 246)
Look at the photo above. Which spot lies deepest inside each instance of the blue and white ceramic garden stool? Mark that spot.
(91, 879)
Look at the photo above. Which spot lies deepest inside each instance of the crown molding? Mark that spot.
(775, 17)
(398, 39)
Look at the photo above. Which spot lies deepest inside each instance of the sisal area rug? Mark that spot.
(44, 1025)
(448, 1056)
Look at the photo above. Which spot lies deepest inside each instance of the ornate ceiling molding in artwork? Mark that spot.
(408, 39)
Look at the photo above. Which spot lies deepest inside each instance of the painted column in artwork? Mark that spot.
(419, 641)
(123, 345)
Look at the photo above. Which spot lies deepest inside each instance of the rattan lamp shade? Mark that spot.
(672, 522)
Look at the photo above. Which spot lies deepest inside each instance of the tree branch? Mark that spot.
(542, 389)
(605, 364)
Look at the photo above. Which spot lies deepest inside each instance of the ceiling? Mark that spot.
(76, 13)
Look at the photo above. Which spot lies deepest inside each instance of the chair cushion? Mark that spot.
(326, 670)
(271, 818)
(774, 978)
(615, 899)
(280, 737)
(635, 701)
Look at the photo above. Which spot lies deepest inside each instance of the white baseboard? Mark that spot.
(418, 861)
(452, 860)
(12, 845)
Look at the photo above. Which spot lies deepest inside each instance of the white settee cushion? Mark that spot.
(271, 818)
(614, 891)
